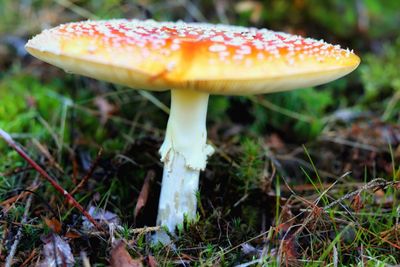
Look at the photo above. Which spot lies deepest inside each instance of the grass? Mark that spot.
(265, 199)
(250, 205)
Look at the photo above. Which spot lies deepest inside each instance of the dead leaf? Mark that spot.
(72, 234)
(105, 108)
(275, 142)
(57, 252)
(151, 261)
(289, 250)
(53, 224)
(144, 193)
(121, 258)
(101, 216)
(357, 203)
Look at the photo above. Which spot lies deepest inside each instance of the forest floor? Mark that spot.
(268, 197)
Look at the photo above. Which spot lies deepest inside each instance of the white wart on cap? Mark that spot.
(216, 59)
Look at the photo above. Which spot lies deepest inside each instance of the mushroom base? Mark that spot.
(178, 194)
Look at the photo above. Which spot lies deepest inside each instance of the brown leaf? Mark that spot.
(275, 142)
(151, 261)
(121, 258)
(357, 203)
(53, 224)
(289, 250)
(144, 193)
(72, 234)
(105, 108)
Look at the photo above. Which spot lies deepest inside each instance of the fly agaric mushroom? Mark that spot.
(195, 60)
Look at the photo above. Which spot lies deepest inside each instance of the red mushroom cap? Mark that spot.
(217, 59)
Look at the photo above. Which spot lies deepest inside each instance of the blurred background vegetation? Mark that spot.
(72, 116)
(369, 27)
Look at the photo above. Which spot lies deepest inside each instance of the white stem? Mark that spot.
(178, 194)
(184, 153)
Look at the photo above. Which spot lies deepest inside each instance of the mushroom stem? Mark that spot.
(184, 154)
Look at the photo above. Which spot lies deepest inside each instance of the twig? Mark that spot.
(13, 250)
(6, 137)
(135, 231)
(30, 257)
(378, 182)
(89, 174)
(144, 230)
(343, 141)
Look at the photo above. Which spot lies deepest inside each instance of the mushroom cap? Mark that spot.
(217, 59)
